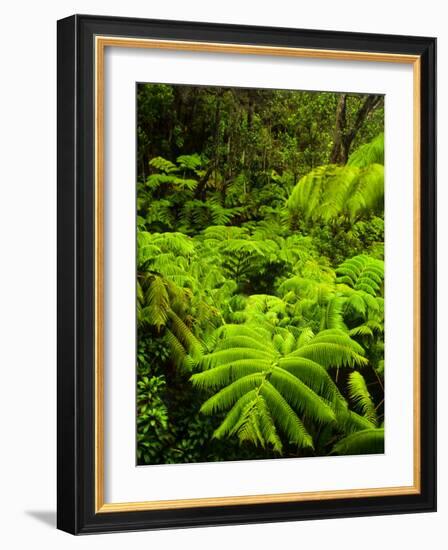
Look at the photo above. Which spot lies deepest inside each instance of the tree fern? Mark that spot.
(330, 192)
(161, 305)
(285, 371)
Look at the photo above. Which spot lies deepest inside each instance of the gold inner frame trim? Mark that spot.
(101, 42)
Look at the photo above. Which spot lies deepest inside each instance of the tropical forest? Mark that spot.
(260, 274)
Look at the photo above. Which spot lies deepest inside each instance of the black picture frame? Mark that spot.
(76, 289)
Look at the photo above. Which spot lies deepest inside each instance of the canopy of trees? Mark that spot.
(260, 274)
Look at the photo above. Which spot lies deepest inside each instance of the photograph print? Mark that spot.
(260, 274)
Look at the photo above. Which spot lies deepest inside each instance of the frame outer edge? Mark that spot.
(67, 369)
(76, 513)
(433, 71)
(429, 271)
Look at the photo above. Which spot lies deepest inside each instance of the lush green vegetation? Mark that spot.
(260, 274)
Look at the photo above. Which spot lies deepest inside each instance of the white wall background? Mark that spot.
(28, 272)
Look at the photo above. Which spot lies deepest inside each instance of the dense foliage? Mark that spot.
(260, 274)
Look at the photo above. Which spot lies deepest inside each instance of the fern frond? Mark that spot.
(362, 273)
(370, 441)
(163, 164)
(332, 315)
(227, 426)
(350, 422)
(178, 352)
(189, 162)
(313, 375)
(184, 334)
(256, 425)
(228, 356)
(301, 396)
(226, 397)
(361, 330)
(370, 153)
(225, 374)
(356, 303)
(287, 419)
(359, 394)
(306, 335)
(158, 305)
(333, 349)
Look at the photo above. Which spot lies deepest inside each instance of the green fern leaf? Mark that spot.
(359, 394)
(370, 441)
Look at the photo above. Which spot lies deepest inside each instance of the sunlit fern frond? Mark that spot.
(360, 396)
(219, 233)
(285, 417)
(361, 330)
(332, 314)
(356, 304)
(307, 288)
(178, 353)
(369, 441)
(156, 303)
(313, 375)
(319, 195)
(256, 424)
(189, 162)
(184, 334)
(370, 153)
(174, 242)
(163, 165)
(306, 335)
(365, 194)
(363, 273)
(333, 348)
(162, 248)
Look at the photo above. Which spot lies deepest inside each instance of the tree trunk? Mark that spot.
(344, 133)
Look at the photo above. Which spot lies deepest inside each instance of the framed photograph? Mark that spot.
(246, 274)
